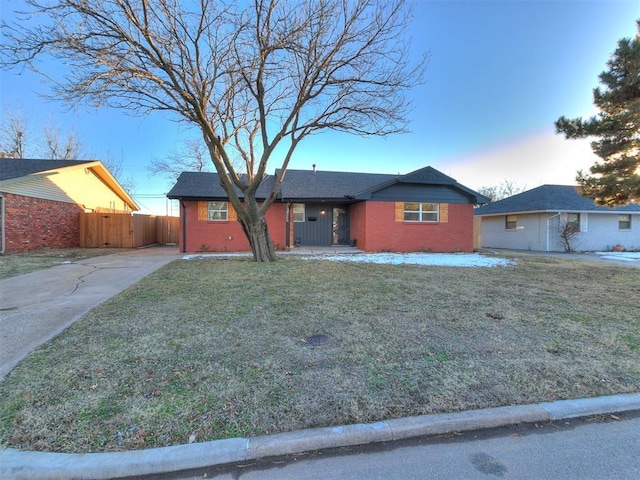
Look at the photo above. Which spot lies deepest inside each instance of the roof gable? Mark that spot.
(17, 170)
(549, 198)
(427, 175)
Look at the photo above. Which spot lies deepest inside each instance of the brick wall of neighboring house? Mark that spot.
(376, 228)
(35, 224)
(225, 236)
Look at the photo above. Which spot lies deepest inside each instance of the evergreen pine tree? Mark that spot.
(616, 179)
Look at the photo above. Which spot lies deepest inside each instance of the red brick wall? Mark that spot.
(35, 224)
(374, 226)
(358, 224)
(206, 236)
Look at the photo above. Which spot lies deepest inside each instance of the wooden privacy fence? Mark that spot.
(123, 230)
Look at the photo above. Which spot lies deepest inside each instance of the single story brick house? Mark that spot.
(41, 201)
(532, 220)
(423, 210)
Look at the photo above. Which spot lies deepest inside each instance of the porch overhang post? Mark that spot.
(291, 242)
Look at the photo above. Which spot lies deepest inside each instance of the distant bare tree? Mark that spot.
(14, 135)
(58, 148)
(116, 168)
(253, 77)
(18, 141)
(497, 192)
(193, 157)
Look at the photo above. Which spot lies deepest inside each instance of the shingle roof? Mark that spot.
(315, 185)
(20, 167)
(307, 184)
(549, 198)
(207, 185)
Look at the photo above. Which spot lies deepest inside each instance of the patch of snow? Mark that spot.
(201, 256)
(622, 256)
(433, 259)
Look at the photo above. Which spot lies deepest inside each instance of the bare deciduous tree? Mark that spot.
(116, 168)
(14, 135)
(20, 139)
(193, 157)
(60, 148)
(569, 233)
(253, 77)
(497, 192)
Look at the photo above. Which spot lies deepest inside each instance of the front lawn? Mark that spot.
(207, 349)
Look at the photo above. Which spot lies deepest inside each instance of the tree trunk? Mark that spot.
(256, 230)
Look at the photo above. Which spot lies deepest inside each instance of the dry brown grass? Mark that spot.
(216, 348)
(21, 263)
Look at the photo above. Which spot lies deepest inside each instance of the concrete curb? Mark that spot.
(17, 464)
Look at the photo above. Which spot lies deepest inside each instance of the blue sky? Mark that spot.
(500, 74)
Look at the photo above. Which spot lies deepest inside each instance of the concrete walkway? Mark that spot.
(37, 306)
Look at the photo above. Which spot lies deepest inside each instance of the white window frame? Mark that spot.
(217, 211)
(425, 210)
(576, 223)
(627, 222)
(299, 212)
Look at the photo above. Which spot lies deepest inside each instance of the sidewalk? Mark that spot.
(37, 306)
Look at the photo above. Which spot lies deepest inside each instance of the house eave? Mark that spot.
(101, 171)
(556, 211)
(94, 166)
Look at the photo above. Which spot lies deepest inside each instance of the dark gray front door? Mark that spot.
(340, 226)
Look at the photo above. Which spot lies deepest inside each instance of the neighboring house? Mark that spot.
(422, 211)
(41, 201)
(534, 220)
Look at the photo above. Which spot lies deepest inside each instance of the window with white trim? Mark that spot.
(573, 222)
(298, 212)
(421, 212)
(624, 221)
(218, 211)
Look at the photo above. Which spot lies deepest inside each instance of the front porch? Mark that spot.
(319, 224)
(322, 250)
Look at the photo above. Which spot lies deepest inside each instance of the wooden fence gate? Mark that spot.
(123, 230)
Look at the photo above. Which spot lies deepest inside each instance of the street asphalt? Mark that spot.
(38, 306)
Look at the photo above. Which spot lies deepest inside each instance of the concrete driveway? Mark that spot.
(37, 306)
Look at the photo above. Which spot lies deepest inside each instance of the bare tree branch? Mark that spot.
(193, 157)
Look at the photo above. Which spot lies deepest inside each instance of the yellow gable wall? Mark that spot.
(77, 185)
